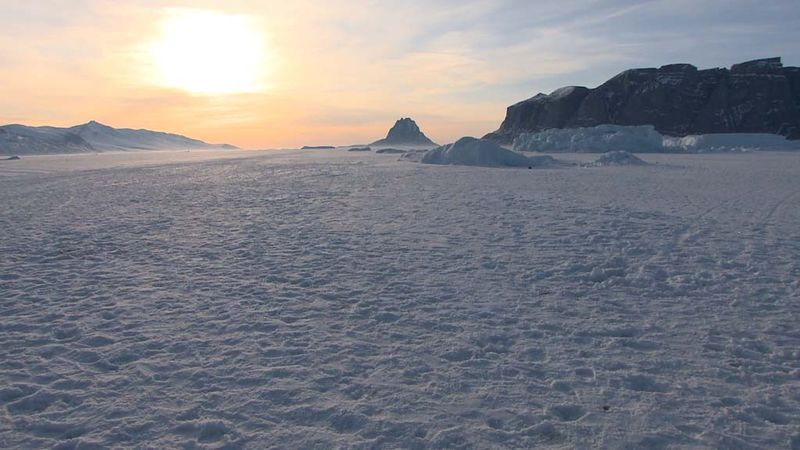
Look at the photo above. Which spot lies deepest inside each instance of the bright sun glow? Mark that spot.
(206, 52)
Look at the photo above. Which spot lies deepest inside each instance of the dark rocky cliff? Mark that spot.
(758, 96)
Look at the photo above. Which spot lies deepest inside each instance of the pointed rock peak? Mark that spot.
(405, 132)
(404, 127)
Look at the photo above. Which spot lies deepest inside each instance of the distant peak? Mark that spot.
(95, 125)
(405, 132)
(405, 124)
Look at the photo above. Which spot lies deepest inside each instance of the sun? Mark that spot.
(209, 53)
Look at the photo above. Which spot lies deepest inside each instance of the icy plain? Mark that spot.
(326, 299)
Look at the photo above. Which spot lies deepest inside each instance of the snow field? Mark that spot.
(327, 299)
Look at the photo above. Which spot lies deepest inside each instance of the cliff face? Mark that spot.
(758, 96)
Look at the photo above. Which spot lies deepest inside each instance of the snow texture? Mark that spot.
(338, 300)
(469, 151)
(645, 139)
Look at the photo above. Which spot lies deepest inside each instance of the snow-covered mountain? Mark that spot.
(91, 137)
(23, 140)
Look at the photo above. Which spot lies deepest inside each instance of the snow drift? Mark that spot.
(645, 139)
(469, 151)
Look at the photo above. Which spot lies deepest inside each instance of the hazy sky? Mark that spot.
(341, 71)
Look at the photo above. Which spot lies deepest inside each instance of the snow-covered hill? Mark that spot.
(91, 137)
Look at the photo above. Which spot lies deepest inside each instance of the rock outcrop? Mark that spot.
(405, 132)
(760, 96)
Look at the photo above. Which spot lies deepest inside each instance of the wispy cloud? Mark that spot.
(344, 69)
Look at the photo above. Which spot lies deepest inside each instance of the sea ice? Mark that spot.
(303, 299)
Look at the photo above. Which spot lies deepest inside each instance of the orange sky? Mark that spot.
(321, 83)
(333, 72)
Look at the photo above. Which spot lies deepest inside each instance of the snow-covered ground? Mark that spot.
(327, 299)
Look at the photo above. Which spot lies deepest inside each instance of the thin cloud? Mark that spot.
(343, 68)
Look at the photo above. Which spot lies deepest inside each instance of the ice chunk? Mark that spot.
(618, 158)
(469, 151)
(729, 142)
(603, 138)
